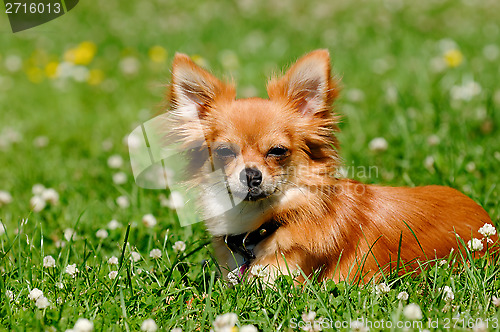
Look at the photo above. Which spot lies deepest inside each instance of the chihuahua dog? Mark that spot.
(278, 161)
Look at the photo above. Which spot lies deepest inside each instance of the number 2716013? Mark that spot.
(32, 8)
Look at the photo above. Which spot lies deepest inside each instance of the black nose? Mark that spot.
(251, 177)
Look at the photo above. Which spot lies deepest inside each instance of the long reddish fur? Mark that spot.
(342, 228)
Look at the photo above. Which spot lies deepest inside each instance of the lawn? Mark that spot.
(83, 247)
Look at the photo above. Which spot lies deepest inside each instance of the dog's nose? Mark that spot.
(251, 177)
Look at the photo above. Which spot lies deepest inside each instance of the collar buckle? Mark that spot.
(238, 243)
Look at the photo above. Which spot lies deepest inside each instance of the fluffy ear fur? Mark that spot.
(194, 90)
(307, 85)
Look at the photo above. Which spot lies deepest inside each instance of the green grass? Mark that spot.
(392, 52)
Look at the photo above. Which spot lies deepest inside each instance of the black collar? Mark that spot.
(239, 243)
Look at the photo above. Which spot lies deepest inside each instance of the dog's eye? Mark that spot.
(278, 151)
(225, 152)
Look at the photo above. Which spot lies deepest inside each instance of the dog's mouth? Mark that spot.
(255, 194)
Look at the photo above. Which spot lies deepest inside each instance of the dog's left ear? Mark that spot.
(307, 85)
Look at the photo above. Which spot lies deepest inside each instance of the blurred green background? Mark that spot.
(419, 77)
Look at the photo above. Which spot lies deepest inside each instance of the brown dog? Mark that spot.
(279, 160)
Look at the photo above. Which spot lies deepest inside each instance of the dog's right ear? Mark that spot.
(194, 90)
(307, 86)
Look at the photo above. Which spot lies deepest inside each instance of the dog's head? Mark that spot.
(266, 149)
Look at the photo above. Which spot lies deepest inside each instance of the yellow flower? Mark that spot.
(82, 54)
(157, 54)
(35, 74)
(51, 69)
(96, 76)
(453, 58)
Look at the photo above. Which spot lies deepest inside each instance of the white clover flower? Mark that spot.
(149, 325)
(178, 329)
(355, 95)
(225, 322)
(358, 326)
(378, 144)
(403, 296)
(382, 288)
(259, 271)
(49, 261)
(391, 94)
(41, 141)
(149, 220)
(248, 328)
(412, 312)
(72, 270)
(480, 326)
(113, 260)
(129, 65)
(112, 275)
(175, 201)
(38, 189)
(179, 246)
(50, 195)
(122, 202)
(34, 294)
(114, 224)
(119, 178)
(433, 140)
(65, 70)
(155, 253)
(5, 198)
(13, 63)
(69, 233)
(309, 316)
(491, 52)
(37, 203)
(133, 141)
(487, 230)
(448, 295)
(12, 135)
(443, 262)
(101, 234)
(466, 92)
(59, 285)
(83, 325)
(470, 167)
(80, 73)
(42, 302)
(107, 144)
(135, 256)
(9, 294)
(60, 244)
(115, 161)
(429, 162)
(495, 300)
(475, 245)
